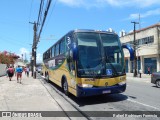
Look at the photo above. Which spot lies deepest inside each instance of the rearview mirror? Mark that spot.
(130, 49)
(74, 51)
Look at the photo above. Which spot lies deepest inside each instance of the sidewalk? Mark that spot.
(144, 77)
(31, 95)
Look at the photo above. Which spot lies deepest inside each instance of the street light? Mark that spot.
(134, 47)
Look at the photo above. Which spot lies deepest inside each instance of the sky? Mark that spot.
(16, 33)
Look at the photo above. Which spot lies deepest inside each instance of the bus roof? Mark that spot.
(90, 30)
(83, 30)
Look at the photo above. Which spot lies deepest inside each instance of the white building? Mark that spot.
(147, 49)
(19, 62)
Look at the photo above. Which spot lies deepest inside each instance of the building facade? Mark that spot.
(147, 49)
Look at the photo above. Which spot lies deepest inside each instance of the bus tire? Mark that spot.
(65, 87)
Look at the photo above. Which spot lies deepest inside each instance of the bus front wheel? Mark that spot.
(65, 87)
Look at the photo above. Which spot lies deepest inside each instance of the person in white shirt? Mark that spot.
(27, 70)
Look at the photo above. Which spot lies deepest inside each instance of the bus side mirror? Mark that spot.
(130, 49)
(74, 51)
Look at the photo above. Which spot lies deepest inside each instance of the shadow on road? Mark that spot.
(106, 98)
(155, 87)
(98, 99)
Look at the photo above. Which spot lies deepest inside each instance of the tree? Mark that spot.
(7, 57)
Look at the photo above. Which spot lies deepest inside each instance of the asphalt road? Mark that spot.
(140, 95)
(144, 93)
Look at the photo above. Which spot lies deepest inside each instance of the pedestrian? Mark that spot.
(148, 70)
(19, 71)
(140, 73)
(27, 70)
(10, 72)
(15, 72)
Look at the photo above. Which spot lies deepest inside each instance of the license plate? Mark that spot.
(106, 91)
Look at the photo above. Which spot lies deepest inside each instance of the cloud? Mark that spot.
(23, 51)
(151, 12)
(27, 54)
(39, 58)
(83, 3)
(144, 15)
(114, 3)
(72, 2)
(138, 3)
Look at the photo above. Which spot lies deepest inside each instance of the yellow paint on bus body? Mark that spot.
(56, 76)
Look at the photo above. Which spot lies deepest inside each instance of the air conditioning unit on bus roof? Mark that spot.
(110, 30)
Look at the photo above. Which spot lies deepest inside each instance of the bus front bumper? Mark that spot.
(84, 92)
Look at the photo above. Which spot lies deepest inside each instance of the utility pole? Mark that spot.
(34, 48)
(37, 36)
(134, 47)
(32, 60)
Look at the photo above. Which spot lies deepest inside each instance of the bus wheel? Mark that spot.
(65, 87)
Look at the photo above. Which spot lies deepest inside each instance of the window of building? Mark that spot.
(151, 39)
(145, 40)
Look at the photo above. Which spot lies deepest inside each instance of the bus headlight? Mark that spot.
(85, 85)
(122, 83)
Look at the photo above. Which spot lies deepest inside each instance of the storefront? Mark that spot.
(150, 63)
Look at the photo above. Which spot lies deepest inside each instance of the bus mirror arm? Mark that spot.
(130, 49)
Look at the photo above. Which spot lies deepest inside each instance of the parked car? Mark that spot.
(155, 78)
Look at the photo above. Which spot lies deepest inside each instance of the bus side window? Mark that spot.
(70, 60)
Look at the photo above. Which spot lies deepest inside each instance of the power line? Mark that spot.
(44, 18)
(51, 12)
(36, 25)
(40, 12)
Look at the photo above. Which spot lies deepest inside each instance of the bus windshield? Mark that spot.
(99, 54)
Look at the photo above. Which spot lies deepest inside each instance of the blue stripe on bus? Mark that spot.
(82, 92)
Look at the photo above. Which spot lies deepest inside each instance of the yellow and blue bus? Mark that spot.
(87, 63)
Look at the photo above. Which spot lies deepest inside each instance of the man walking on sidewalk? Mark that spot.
(27, 70)
(10, 72)
(148, 70)
(140, 73)
(19, 73)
